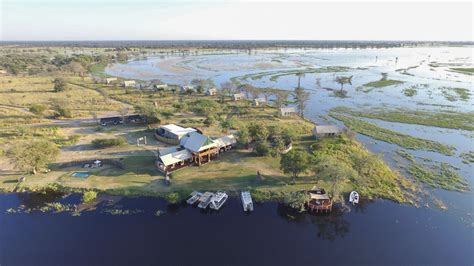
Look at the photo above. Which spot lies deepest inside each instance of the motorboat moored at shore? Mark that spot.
(354, 197)
(247, 202)
(217, 200)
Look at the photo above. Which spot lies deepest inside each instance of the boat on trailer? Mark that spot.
(354, 197)
(195, 196)
(205, 200)
(217, 200)
(247, 202)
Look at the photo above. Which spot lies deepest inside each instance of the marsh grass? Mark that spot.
(387, 135)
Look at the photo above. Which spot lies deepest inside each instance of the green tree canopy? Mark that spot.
(33, 156)
(295, 162)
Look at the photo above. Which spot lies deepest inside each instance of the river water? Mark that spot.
(376, 233)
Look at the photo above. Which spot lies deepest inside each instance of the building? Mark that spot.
(288, 111)
(326, 131)
(259, 102)
(129, 83)
(171, 161)
(238, 96)
(161, 87)
(211, 92)
(201, 147)
(172, 134)
(185, 89)
(193, 149)
(110, 80)
(225, 143)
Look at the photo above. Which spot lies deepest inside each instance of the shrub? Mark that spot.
(38, 109)
(63, 112)
(262, 148)
(89, 196)
(59, 85)
(104, 143)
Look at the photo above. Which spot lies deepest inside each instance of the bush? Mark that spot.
(63, 112)
(104, 143)
(210, 120)
(262, 148)
(89, 196)
(59, 85)
(38, 109)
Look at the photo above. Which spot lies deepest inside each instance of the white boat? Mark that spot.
(354, 197)
(247, 202)
(217, 200)
(195, 196)
(205, 200)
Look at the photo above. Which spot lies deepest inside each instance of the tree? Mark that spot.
(59, 85)
(201, 84)
(343, 80)
(243, 136)
(295, 162)
(335, 172)
(262, 148)
(301, 96)
(299, 75)
(280, 98)
(258, 132)
(33, 156)
(149, 111)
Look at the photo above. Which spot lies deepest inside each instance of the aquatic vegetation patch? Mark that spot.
(275, 75)
(467, 71)
(443, 119)
(455, 94)
(390, 136)
(444, 176)
(410, 92)
(467, 157)
(117, 211)
(383, 83)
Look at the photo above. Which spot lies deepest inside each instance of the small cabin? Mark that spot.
(129, 83)
(211, 92)
(259, 102)
(288, 111)
(225, 143)
(238, 96)
(168, 162)
(326, 131)
(160, 87)
(110, 80)
(185, 89)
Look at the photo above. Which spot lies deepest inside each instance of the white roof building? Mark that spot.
(175, 157)
(286, 111)
(129, 83)
(211, 92)
(177, 130)
(196, 142)
(225, 141)
(326, 130)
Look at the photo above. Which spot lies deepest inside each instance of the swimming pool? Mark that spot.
(80, 174)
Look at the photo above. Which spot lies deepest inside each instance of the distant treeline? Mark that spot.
(241, 44)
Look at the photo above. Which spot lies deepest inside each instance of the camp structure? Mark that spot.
(129, 83)
(211, 92)
(172, 133)
(326, 131)
(319, 201)
(238, 96)
(288, 111)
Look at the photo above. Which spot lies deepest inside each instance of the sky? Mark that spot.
(23, 20)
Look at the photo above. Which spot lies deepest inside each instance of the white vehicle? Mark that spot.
(354, 197)
(218, 200)
(247, 202)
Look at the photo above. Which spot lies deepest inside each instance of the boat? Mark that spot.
(354, 197)
(217, 200)
(195, 196)
(247, 202)
(205, 200)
